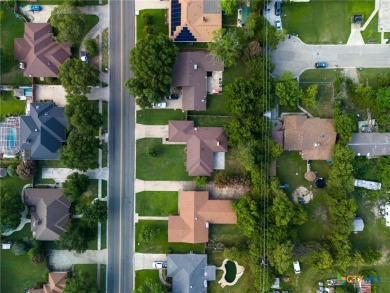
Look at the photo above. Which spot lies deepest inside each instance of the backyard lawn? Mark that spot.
(209, 121)
(215, 106)
(159, 243)
(142, 275)
(323, 105)
(10, 105)
(158, 22)
(169, 164)
(369, 76)
(156, 203)
(13, 183)
(229, 235)
(323, 22)
(17, 272)
(159, 116)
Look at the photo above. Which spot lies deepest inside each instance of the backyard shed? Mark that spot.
(358, 225)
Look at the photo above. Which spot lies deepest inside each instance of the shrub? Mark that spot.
(49, 79)
(18, 247)
(26, 169)
(92, 47)
(148, 19)
(200, 181)
(152, 151)
(37, 253)
(148, 29)
(11, 170)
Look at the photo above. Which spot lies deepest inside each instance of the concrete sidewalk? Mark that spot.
(62, 260)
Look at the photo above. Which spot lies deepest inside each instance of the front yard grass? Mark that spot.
(369, 76)
(323, 22)
(371, 34)
(169, 164)
(17, 272)
(319, 75)
(104, 52)
(323, 105)
(159, 243)
(92, 270)
(159, 22)
(9, 105)
(104, 236)
(159, 116)
(104, 188)
(105, 117)
(156, 203)
(142, 275)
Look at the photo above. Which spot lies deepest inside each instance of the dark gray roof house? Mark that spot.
(372, 144)
(43, 132)
(49, 212)
(189, 272)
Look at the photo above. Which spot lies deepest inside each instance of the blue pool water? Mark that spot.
(11, 139)
(28, 92)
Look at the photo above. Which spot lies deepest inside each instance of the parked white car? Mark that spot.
(159, 105)
(278, 24)
(297, 267)
(160, 264)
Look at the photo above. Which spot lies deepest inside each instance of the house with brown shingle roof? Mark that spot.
(190, 72)
(39, 53)
(197, 212)
(205, 146)
(57, 283)
(314, 137)
(194, 20)
(49, 212)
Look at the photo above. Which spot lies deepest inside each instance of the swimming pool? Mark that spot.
(28, 92)
(231, 271)
(12, 140)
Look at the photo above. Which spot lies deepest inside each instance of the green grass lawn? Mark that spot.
(10, 105)
(52, 164)
(104, 154)
(13, 183)
(159, 23)
(18, 273)
(209, 121)
(11, 28)
(319, 75)
(169, 164)
(323, 22)
(156, 203)
(105, 58)
(233, 162)
(215, 106)
(91, 193)
(92, 270)
(104, 188)
(159, 116)
(229, 235)
(323, 105)
(371, 32)
(142, 275)
(104, 236)
(24, 234)
(159, 244)
(369, 76)
(105, 117)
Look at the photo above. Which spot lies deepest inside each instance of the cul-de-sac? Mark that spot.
(195, 146)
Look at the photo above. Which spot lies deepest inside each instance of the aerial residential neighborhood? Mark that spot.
(213, 146)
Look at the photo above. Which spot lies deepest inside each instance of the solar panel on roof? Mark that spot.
(175, 15)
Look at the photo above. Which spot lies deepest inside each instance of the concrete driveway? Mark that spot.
(38, 16)
(144, 261)
(55, 93)
(62, 260)
(151, 4)
(295, 56)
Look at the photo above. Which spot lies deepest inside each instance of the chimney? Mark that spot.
(195, 66)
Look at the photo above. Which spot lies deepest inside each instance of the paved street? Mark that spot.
(295, 56)
(120, 277)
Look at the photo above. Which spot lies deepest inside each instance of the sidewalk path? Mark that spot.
(144, 261)
(60, 174)
(62, 260)
(137, 218)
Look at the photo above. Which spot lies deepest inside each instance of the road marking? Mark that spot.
(121, 145)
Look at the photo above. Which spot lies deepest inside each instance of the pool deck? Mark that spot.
(240, 272)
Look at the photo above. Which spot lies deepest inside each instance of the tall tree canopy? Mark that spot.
(225, 46)
(151, 61)
(80, 282)
(76, 76)
(76, 236)
(247, 215)
(10, 208)
(75, 185)
(68, 22)
(287, 90)
(150, 286)
(96, 212)
(229, 6)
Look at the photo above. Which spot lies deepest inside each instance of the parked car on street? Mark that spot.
(160, 264)
(321, 65)
(35, 7)
(278, 24)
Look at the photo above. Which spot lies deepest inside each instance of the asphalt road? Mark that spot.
(121, 150)
(295, 56)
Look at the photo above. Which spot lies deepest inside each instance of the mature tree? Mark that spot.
(76, 76)
(229, 6)
(151, 61)
(344, 125)
(83, 114)
(383, 171)
(281, 257)
(371, 255)
(2, 16)
(258, 28)
(91, 47)
(96, 212)
(75, 185)
(244, 97)
(282, 210)
(80, 150)
(287, 90)
(341, 178)
(150, 286)
(362, 96)
(26, 169)
(321, 259)
(383, 103)
(225, 46)
(357, 259)
(37, 253)
(260, 68)
(308, 99)
(80, 282)
(19, 247)
(10, 208)
(69, 23)
(11, 170)
(252, 50)
(247, 215)
(76, 236)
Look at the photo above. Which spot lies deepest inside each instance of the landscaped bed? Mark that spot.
(159, 242)
(156, 203)
(169, 163)
(158, 22)
(159, 116)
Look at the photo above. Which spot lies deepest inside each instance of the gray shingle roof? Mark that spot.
(189, 272)
(43, 131)
(370, 144)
